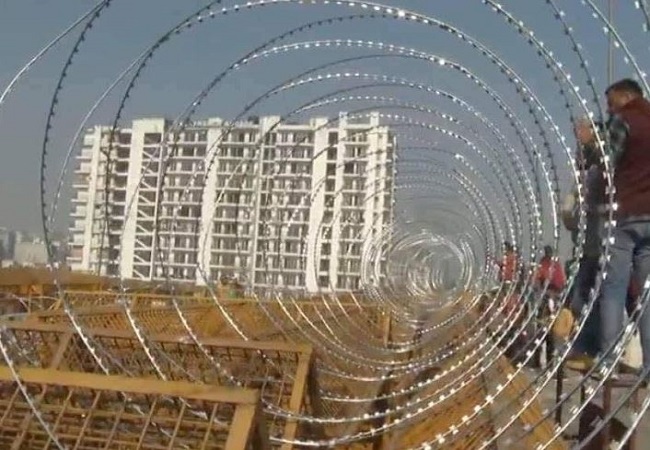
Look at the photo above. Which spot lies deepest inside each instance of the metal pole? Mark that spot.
(610, 50)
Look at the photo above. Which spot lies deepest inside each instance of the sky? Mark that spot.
(185, 64)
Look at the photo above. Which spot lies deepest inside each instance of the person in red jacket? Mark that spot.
(550, 270)
(628, 149)
(508, 265)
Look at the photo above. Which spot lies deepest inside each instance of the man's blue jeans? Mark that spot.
(630, 251)
(588, 341)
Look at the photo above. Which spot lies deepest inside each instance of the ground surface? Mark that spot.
(572, 379)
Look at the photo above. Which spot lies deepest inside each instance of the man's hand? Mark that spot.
(584, 132)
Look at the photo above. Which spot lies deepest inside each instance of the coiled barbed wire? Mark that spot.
(482, 157)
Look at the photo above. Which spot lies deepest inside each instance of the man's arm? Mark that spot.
(617, 132)
(590, 156)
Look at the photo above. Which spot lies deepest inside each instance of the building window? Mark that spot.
(152, 138)
(326, 249)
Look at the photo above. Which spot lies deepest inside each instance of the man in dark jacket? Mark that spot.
(628, 146)
(587, 344)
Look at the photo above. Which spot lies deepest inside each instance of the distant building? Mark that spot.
(59, 251)
(274, 191)
(7, 244)
(32, 253)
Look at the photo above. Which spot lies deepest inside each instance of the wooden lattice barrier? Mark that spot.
(517, 395)
(91, 411)
(275, 362)
(204, 320)
(453, 413)
(260, 320)
(284, 373)
(416, 427)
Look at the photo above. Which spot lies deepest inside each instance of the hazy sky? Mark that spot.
(189, 61)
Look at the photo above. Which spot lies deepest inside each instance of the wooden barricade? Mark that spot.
(83, 410)
(452, 415)
(284, 373)
(261, 320)
(149, 341)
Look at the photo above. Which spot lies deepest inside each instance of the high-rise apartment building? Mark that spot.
(269, 203)
(7, 244)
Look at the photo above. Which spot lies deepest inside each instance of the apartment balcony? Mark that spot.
(182, 187)
(143, 241)
(354, 176)
(180, 265)
(233, 251)
(82, 170)
(79, 213)
(189, 171)
(79, 200)
(177, 217)
(228, 266)
(235, 158)
(183, 202)
(78, 228)
(191, 158)
(120, 187)
(291, 207)
(353, 239)
(169, 233)
(233, 187)
(293, 253)
(75, 242)
(361, 189)
(290, 175)
(278, 270)
(80, 184)
(139, 232)
(217, 234)
(145, 189)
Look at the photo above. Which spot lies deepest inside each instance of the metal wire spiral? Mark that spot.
(486, 153)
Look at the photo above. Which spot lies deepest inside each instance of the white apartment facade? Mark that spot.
(267, 202)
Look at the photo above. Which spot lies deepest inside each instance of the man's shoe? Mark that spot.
(580, 362)
(614, 375)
